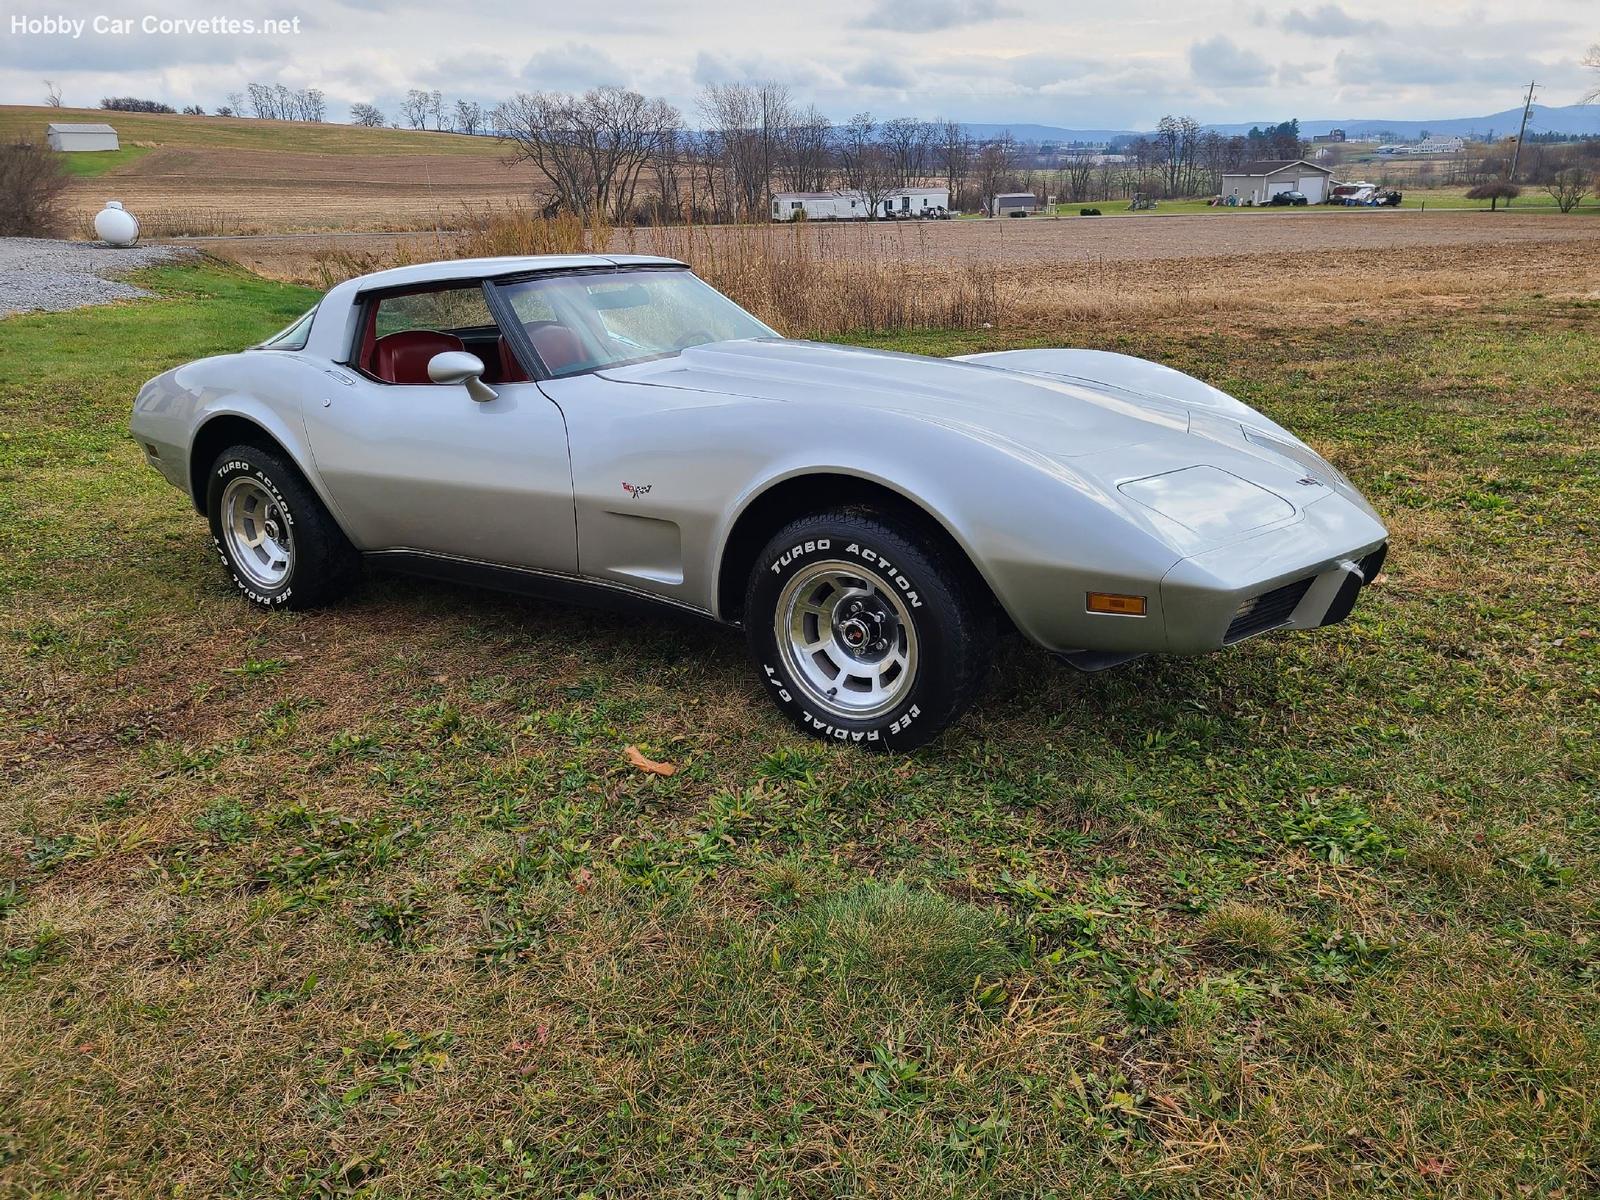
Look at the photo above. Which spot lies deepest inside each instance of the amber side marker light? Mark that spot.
(1117, 606)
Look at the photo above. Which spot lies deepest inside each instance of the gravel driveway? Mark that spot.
(39, 274)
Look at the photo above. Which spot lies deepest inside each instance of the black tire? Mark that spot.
(322, 565)
(938, 593)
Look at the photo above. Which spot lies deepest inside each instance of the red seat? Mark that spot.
(510, 369)
(558, 346)
(404, 357)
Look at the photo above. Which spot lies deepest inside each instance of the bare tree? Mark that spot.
(908, 143)
(1592, 61)
(746, 124)
(367, 115)
(954, 152)
(1568, 188)
(592, 148)
(52, 93)
(868, 167)
(1077, 177)
(805, 151)
(414, 109)
(469, 116)
(995, 167)
(436, 108)
(235, 105)
(1495, 192)
(1176, 145)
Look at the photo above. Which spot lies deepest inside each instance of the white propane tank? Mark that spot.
(115, 225)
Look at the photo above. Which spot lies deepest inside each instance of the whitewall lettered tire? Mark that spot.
(866, 631)
(279, 543)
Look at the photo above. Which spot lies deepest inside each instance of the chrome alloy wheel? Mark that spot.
(260, 539)
(846, 639)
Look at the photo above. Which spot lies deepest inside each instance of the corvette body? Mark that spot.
(1046, 477)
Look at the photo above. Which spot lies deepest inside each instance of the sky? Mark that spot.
(1083, 65)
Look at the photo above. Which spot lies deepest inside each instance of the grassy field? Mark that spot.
(369, 901)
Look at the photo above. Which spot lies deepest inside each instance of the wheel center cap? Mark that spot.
(854, 633)
(271, 527)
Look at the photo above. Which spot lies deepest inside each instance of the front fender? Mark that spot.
(1040, 533)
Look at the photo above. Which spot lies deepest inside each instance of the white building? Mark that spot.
(82, 137)
(1258, 182)
(818, 206)
(915, 202)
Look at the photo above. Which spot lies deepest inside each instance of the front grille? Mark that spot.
(1267, 611)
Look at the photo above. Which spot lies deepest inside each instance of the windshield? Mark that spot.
(587, 321)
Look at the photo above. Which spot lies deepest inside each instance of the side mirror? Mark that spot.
(457, 366)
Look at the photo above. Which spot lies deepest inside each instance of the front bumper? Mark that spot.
(1300, 577)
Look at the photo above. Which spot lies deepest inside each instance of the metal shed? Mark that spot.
(82, 137)
(1258, 182)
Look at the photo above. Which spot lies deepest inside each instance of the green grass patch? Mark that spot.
(90, 164)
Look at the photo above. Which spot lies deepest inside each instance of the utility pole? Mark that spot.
(1516, 151)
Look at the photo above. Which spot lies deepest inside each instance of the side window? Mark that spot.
(403, 333)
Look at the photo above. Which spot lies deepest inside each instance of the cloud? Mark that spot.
(1222, 62)
(574, 67)
(880, 73)
(758, 68)
(1433, 67)
(1330, 21)
(925, 16)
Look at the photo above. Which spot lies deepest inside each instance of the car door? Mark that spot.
(415, 465)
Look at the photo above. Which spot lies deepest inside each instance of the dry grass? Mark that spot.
(830, 280)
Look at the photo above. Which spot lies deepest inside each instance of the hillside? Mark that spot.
(244, 133)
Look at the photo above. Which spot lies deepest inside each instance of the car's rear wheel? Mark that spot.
(280, 544)
(865, 631)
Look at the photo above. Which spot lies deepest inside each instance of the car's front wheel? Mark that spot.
(866, 632)
(280, 545)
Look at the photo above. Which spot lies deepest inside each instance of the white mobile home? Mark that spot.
(82, 137)
(818, 206)
(915, 202)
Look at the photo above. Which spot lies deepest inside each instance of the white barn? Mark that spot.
(1258, 182)
(82, 137)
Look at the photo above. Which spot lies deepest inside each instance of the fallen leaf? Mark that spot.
(582, 877)
(649, 764)
(1436, 1167)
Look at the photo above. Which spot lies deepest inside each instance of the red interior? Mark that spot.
(510, 369)
(557, 345)
(404, 357)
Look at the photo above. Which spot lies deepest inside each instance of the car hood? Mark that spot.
(1059, 418)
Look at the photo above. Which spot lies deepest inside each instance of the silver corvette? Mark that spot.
(870, 519)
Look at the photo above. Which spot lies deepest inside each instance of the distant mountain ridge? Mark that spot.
(1567, 119)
